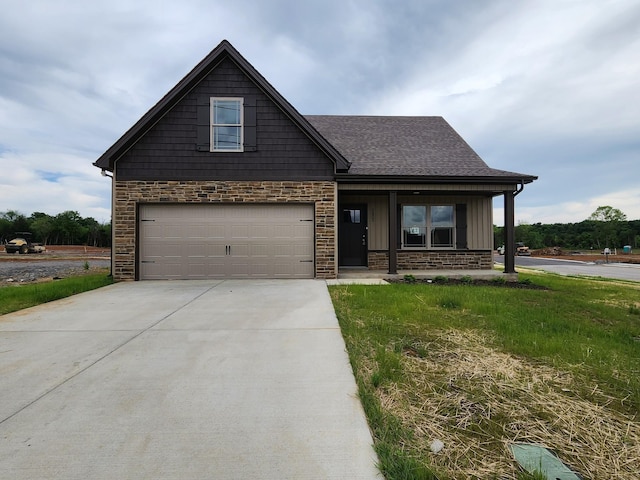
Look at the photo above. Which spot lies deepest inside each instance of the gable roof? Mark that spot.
(193, 78)
(407, 146)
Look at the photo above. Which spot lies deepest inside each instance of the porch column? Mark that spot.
(509, 232)
(393, 232)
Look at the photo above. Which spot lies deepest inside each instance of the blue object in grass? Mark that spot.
(536, 458)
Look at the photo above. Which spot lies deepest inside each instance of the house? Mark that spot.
(223, 178)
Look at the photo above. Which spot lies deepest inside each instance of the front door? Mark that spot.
(352, 234)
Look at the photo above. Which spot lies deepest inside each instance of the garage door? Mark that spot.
(226, 241)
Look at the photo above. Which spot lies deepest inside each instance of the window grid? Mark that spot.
(227, 124)
(428, 226)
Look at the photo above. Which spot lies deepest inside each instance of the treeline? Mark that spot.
(585, 235)
(66, 228)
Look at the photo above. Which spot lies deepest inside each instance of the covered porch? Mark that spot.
(377, 238)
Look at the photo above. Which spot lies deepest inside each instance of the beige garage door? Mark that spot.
(226, 241)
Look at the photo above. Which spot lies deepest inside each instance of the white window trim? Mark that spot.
(212, 126)
(428, 227)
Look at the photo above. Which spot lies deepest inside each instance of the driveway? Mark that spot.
(181, 380)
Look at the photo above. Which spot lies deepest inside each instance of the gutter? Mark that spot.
(350, 178)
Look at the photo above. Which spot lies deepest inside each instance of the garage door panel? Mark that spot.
(158, 271)
(215, 250)
(261, 232)
(239, 232)
(261, 250)
(226, 241)
(175, 231)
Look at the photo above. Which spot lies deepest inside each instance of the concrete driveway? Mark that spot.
(181, 380)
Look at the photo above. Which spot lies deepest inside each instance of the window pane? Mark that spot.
(414, 225)
(442, 237)
(442, 216)
(414, 237)
(226, 138)
(350, 216)
(415, 215)
(226, 112)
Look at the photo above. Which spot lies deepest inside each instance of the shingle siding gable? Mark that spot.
(168, 150)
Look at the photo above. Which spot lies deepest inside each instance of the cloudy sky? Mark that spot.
(544, 87)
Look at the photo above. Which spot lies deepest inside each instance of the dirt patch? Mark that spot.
(587, 257)
(477, 400)
(59, 261)
(57, 252)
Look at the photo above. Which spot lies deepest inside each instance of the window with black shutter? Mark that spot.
(226, 124)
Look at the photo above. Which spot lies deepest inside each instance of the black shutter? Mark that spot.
(250, 129)
(399, 226)
(203, 125)
(461, 226)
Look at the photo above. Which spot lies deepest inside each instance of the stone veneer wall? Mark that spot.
(434, 260)
(128, 194)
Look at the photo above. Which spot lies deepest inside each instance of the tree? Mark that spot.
(12, 222)
(606, 219)
(41, 226)
(68, 228)
(529, 235)
(607, 214)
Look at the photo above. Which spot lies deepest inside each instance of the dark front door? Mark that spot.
(352, 236)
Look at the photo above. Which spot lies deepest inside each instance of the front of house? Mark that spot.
(223, 178)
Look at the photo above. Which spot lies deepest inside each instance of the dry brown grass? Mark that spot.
(477, 400)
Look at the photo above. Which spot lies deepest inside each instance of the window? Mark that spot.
(414, 226)
(428, 226)
(441, 227)
(226, 124)
(350, 215)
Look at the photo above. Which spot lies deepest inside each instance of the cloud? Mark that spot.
(546, 88)
(53, 184)
(627, 201)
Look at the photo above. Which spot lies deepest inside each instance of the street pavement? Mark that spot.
(620, 271)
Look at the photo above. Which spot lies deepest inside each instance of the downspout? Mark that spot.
(113, 203)
(519, 190)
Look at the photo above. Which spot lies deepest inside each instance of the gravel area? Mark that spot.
(31, 271)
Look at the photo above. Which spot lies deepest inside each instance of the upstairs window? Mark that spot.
(226, 124)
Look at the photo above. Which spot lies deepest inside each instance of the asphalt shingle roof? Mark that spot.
(414, 146)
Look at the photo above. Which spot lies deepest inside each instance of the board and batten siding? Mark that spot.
(479, 216)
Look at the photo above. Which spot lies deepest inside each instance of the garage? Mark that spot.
(187, 241)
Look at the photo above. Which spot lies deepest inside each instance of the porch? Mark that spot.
(440, 229)
(351, 274)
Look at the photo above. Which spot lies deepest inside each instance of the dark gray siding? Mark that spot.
(168, 150)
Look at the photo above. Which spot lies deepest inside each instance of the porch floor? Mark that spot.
(363, 273)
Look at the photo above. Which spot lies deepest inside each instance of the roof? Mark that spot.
(407, 146)
(376, 147)
(195, 76)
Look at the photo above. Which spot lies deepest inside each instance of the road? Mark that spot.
(620, 271)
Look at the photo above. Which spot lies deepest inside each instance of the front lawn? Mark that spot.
(17, 297)
(479, 367)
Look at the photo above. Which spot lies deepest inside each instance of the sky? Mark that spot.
(544, 87)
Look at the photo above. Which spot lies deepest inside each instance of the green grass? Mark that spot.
(17, 297)
(586, 327)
